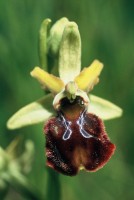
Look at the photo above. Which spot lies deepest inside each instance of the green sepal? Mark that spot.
(103, 108)
(33, 113)
(55, 36)
(70, 53)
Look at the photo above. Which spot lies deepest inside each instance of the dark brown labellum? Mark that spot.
(76, 139)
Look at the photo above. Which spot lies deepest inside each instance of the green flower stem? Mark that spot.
(53, 185)
(21, 184)
(43, 43)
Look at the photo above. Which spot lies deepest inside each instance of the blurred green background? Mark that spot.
(107, 33)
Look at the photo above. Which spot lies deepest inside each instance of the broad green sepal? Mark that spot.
(55, 36)
(33, 113)
(70, 53)
(103, 108)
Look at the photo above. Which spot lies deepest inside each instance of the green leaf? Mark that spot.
(103, 108)
(33, 113)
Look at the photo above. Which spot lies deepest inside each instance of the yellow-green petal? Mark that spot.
(70, 53)
(89, 76)
(33, 113)
(103, 108)
(49, 81)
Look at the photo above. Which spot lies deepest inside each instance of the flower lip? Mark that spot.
(76, 139)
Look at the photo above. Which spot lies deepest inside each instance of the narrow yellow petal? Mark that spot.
(49, 81)
(89, 76)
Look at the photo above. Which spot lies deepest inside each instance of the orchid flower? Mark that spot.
(74, 129)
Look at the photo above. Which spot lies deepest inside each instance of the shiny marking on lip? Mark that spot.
(66, 124)
(80, 123)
